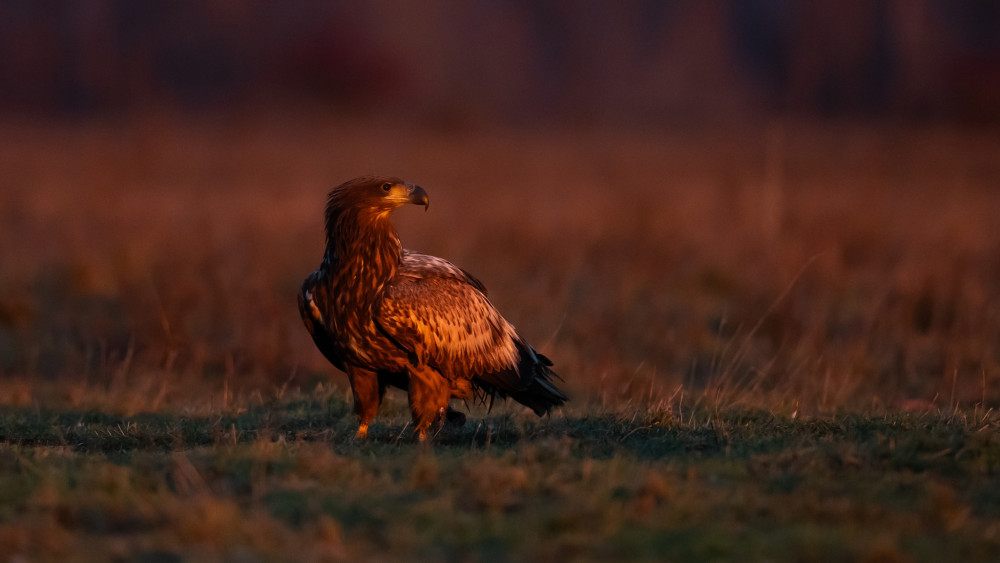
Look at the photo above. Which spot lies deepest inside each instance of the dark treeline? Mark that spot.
(513, 59)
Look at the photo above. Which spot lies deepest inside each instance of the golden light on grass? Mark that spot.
(828, 267)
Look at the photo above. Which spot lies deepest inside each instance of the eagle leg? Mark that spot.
(367, 397)
(428, 394)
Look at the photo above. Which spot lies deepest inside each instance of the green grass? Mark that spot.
(287, 480)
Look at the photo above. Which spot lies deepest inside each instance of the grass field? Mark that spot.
(782, 342)
(287, 481)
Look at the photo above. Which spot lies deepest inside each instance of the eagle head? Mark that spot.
(377, 194)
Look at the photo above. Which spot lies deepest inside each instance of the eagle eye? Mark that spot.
(386, 187)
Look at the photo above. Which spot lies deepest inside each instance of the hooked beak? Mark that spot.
(418, 196)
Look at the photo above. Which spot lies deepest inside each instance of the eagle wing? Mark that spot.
(312, 303)
(440, 315)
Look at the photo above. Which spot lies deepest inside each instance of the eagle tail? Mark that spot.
(541, 396)
(532, 385)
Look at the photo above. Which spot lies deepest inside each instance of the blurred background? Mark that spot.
(637, 61)
(769, 202)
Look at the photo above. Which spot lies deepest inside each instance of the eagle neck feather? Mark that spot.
(363, 251)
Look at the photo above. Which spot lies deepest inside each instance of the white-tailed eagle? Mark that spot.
(389, 316)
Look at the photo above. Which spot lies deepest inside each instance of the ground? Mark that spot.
(780, 340)
(286, 480)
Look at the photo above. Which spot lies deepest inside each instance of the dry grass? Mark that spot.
(154, 263)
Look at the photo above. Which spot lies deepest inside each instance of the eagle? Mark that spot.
(393, 317)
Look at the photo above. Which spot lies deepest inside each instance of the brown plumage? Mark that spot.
(388, 316)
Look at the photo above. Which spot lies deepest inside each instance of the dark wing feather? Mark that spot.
(312, 301)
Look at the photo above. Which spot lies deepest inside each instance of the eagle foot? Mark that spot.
(454, 417)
